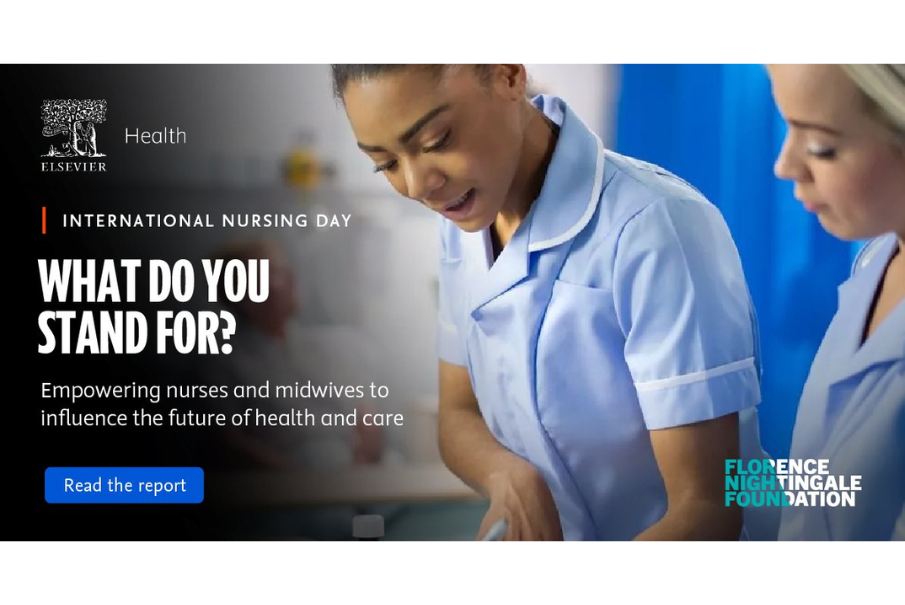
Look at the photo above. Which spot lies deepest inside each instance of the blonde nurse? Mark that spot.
(845, 152)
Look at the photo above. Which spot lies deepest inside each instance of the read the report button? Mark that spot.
(124, 485)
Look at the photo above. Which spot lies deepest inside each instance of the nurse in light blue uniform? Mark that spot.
(845, 150)
(852, 412)
(618, 308)
(616, 313)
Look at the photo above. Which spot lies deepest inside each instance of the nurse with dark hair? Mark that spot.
(598, 346)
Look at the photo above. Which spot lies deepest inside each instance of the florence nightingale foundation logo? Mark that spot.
(74, 124)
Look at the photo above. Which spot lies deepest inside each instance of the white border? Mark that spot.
(403, 31)
(567, 31)
(473, 572)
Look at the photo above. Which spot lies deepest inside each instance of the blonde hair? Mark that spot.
(884, 88)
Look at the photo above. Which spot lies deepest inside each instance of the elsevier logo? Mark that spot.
(77, 119)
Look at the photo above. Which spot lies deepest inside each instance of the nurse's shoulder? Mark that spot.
(633, 185)
(648, 179)
(643, 206)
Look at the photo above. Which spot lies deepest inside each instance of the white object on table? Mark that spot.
(496, 532)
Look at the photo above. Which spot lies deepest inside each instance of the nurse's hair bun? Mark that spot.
(884, 88)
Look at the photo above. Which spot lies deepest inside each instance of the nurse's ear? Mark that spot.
(508, 81)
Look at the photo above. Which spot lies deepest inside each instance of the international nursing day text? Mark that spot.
(126, 331)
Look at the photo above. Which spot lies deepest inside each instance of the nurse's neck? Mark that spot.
(535, 154)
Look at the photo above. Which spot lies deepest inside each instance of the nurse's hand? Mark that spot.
(520, 495)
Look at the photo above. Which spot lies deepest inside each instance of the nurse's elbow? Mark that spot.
(707, 518)
(728, 521)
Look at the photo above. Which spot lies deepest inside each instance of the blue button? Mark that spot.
(124, 485)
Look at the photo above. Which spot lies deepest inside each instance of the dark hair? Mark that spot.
(344, 73)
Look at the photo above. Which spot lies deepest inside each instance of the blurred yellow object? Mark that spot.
(302, 167)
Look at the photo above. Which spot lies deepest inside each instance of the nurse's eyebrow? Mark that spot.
(814, 126)
(411, 131)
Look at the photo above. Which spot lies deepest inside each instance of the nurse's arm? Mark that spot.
(467, 446)
(516, 490)
(692, 463)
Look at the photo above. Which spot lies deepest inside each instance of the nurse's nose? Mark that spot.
(788, 166)
(422, 179)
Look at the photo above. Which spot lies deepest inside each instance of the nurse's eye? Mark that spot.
(385, 166)
(443, 142)
(822, 152)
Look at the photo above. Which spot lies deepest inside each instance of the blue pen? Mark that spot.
(496, 533)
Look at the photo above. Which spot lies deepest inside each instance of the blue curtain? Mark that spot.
(717, 127)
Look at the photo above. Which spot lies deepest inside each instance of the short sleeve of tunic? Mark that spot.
(684, 307)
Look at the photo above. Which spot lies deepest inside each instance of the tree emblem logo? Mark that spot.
(77, 120)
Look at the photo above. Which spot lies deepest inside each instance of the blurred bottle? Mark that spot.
(302, 166)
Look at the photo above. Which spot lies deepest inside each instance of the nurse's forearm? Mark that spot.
(691, 461)
(467, 446)
(696, 520)
(471, 451)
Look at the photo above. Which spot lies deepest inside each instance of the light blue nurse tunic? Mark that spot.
(852, 413)
(618, 307)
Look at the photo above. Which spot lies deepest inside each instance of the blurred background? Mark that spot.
(272, 139)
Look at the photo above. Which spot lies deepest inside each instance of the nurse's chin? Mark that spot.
(475, 221)
(473, 225)
(844, 230)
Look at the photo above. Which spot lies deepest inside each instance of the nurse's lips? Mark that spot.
(811, 206)
(459, 208)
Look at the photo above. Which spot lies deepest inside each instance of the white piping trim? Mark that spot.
(867, 253)
(589, 211)
(674, 381)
